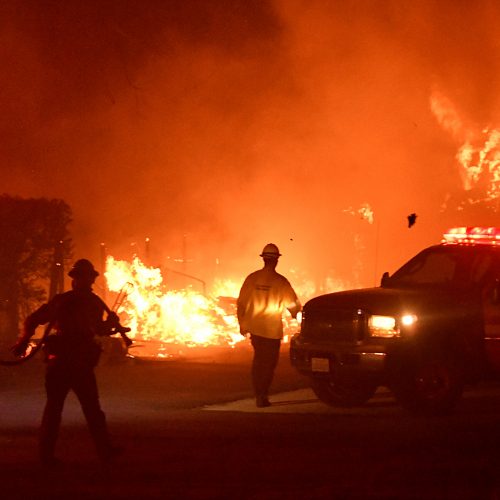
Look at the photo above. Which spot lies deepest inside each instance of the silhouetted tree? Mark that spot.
(34, 235)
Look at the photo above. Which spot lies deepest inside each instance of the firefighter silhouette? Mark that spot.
(263, 298)
(77, 316)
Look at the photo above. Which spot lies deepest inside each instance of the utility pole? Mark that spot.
(103, 270)
(57, 272)
(184, 253)
(147, 251)
(377, 244)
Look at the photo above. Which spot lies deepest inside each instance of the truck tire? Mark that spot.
(343, 393)
(430, 385)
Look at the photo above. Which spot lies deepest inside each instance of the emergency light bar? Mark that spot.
(472, 236)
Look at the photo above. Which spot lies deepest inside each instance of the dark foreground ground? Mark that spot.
(297, 449)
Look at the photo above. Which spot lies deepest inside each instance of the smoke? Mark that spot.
(447, 116)
(215, 127)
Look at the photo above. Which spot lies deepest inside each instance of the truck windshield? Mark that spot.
(433, 266)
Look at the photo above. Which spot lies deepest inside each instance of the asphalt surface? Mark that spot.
(190, 429)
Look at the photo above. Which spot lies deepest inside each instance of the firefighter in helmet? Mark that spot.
(77, 317)
(263, 298)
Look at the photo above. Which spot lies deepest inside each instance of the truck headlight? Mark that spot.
(389, 326)
(382, 326)
(408, 319)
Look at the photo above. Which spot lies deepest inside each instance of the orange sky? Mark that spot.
(237, 123)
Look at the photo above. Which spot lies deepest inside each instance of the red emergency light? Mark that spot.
(472, 236)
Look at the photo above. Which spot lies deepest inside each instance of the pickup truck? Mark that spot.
(429, 329)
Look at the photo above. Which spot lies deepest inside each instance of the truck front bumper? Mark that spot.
(326, 360)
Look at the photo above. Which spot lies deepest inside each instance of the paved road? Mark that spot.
(190, 430)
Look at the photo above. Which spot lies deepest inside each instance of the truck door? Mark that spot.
(491, 317)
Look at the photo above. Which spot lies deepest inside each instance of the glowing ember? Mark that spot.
(365, 211)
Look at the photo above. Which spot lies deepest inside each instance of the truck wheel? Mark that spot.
(431, 385)
(343, 393)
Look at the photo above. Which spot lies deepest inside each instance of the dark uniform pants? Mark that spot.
(60, 379)
(265, 360)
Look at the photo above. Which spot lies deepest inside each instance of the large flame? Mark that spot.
(481, 164)
(479, 154)
(177, 316)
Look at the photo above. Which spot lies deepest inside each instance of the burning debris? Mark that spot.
(412, 218)
(176, 317)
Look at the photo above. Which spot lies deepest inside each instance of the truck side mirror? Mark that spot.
(385, 279)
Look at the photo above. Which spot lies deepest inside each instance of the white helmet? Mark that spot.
(270, 250)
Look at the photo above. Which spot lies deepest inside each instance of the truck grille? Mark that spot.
(337, 325)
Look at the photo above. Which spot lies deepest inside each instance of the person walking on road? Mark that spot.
(71, 355)
(264, 297)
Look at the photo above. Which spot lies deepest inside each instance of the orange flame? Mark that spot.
(480, 163)
(178, 317)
